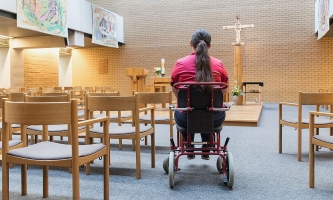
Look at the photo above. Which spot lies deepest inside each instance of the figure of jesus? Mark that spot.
(238, 27)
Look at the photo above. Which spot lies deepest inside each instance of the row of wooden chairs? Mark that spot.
(314, 120)
(94, 103)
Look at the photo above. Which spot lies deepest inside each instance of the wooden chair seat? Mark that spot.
(121, 130)
(158, 119)
(323, 138)
(12, 143)
(53, 151)
(123, 116)
(319, 120)
(52, 128)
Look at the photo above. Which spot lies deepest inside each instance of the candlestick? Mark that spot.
(162, 62)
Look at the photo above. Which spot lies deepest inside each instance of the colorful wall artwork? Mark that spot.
(46, 16)
(104, 27)
(324, 22)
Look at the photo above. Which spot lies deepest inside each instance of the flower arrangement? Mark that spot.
(236, 91)
(157, 71)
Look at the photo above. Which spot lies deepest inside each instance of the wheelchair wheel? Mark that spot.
(166, 164)
(172, 169)
(230, 171)
(219, 164)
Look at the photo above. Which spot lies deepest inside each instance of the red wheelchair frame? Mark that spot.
(204, 105)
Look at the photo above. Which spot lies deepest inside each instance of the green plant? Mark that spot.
(236, 91)
(157, 71)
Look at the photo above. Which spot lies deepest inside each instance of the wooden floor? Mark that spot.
(238, 115)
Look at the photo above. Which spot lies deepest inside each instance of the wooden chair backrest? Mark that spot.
(11, 90)
(71, 93)
(111, 103)
(98, 88)
(68, 88)
(107, 89)
(48, 89)
(17, 96)
(89, 89)
(104, 93)
(44, 113)
(58, 98)
(154, 97)
(57, 89)
(33, 91)
(315, 98)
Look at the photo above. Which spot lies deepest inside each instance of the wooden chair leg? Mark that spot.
(299, 149)
(146, 140)
(138, 160)
(153, 150)
(75, 181)
(280, 138)
(311, 165)
(106, 163)
(45, 181)
(24, 179)
(5, 181)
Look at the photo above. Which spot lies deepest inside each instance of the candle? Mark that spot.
(162, 62)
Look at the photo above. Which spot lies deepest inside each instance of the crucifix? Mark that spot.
(238, 27)
(238, 57)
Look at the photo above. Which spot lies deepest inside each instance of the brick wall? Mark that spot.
(281, 50)
(41, 67)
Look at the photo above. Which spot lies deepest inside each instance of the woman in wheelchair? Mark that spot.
(199, 66)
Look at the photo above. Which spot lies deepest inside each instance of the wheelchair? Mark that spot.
(200, 108)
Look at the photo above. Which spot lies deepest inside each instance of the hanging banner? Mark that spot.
(46, 16)
(324, 21)
(104, 27)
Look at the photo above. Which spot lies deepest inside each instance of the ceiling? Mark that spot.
(8, 27)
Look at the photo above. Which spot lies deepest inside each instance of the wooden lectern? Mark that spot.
(138, 78)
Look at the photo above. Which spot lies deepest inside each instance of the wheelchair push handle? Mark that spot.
(221, 84)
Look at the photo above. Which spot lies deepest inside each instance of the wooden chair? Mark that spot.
(60, 130)
(68, 88)
(98, 89)
(325, 141)
(32, 91)
(58, 89)
(17, 96)
(122, 103)
(13, 143)
(157, 98)
(299, 122)
(47, 89)
(119, 118)
(89, 89)
(11, 90)
(78, 94)
(49, 153)
(107, 89)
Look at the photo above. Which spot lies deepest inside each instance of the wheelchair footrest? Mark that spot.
(196, 143)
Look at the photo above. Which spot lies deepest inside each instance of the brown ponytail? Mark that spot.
(201, 41)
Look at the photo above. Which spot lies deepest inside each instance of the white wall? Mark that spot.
(8, 5)
(4, 67)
